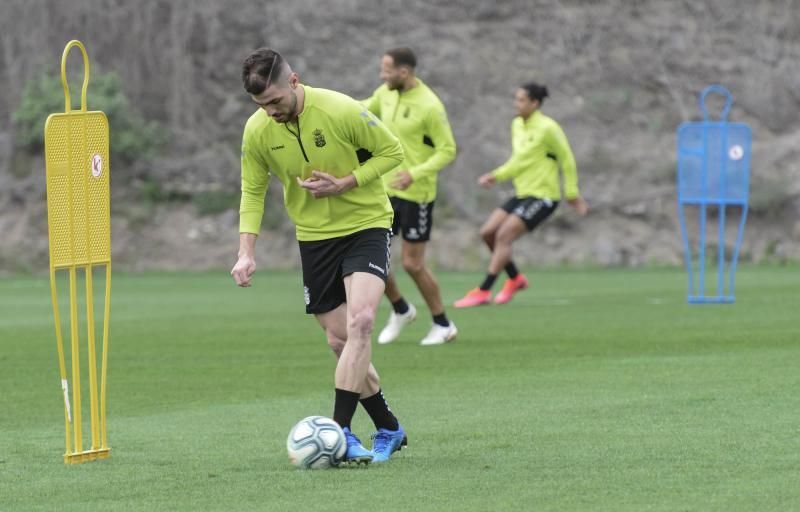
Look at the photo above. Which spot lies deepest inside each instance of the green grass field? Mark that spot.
(593, 390)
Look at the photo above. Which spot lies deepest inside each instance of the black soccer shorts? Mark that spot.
(327, 262)
(413, 220)
(532, 210)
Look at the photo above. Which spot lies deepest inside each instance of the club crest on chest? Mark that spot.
(319, 138)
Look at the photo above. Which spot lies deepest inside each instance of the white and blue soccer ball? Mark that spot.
(316, 442)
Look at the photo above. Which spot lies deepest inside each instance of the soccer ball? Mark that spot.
(316, 442)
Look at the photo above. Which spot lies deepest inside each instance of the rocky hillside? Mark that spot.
(622, 74)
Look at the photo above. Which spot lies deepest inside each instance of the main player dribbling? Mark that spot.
(309, 138)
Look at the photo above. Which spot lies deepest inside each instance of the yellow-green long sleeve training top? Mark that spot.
(538, 147)
(418, 118)
(331, 131)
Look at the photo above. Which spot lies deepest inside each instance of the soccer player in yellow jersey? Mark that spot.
(329, 152)
(413, 112)
(539, 148)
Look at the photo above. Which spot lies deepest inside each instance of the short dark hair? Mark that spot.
(535, 91)
(402, 57)
(260, 69)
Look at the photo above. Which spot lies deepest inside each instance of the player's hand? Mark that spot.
(322, 184)
(402, 180)
(580, 205)
(487, 180)
(243, 270)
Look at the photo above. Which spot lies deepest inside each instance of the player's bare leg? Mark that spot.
(363, 292)
(334, 323)
(492, 224)
(498, 233)
(413, 257)
(442, 330)
(511, 228)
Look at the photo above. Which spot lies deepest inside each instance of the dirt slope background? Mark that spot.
(622, 75)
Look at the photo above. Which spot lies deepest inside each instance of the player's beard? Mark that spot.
(395, 85)
(291, 114)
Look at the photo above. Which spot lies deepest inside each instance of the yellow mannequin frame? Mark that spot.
(79, 229)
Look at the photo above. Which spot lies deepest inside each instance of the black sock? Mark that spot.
(488, 282)
(344, 407)
(511, 270)
(379, 411)
(441, 319)
(400, 306)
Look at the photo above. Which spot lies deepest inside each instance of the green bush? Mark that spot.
(131, 136)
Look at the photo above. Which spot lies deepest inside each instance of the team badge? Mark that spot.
(319, 138)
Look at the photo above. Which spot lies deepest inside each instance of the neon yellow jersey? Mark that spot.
(538, 147)
(418, 118)
(333, 130)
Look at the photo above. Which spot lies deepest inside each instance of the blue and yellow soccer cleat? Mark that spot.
(356, 453)
(385, 442)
